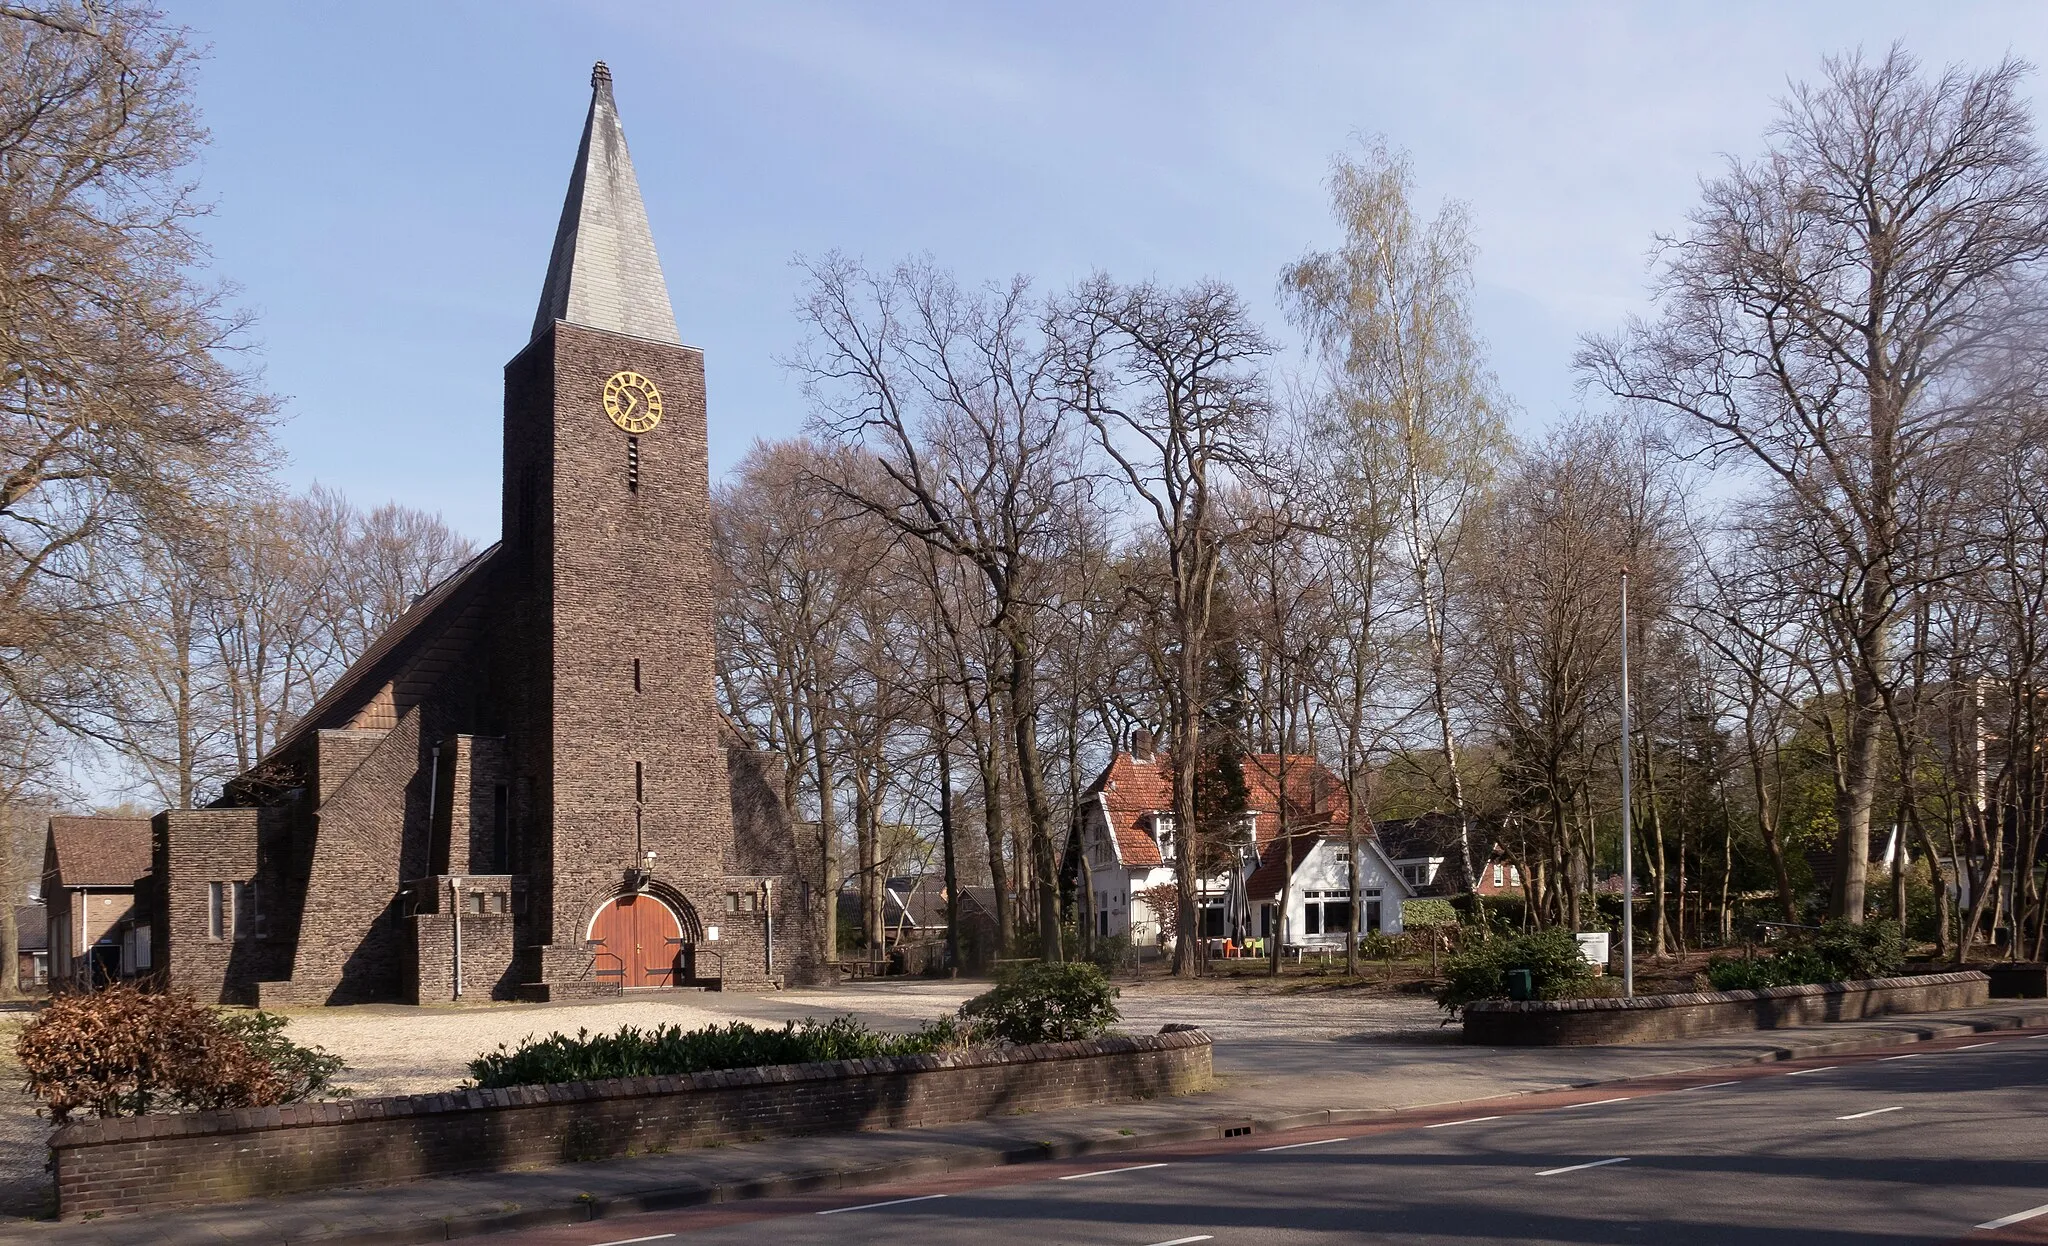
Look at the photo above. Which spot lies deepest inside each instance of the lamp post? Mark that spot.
(1628, 847)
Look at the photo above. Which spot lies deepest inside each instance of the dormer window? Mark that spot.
(1162, 833)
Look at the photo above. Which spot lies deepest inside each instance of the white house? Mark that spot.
(1319, 900)
(1126, 842)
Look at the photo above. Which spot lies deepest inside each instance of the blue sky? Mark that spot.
(386, 177)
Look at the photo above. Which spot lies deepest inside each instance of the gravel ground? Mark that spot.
(24, 1180)
(392, 1049)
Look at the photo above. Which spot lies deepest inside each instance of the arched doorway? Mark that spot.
(639, 942)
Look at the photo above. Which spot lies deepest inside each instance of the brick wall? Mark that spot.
(195, 848)
(126, 1166)
(489, 959)
(351, 946)
(1653, 1018)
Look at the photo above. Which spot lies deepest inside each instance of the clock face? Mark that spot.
(632, 402)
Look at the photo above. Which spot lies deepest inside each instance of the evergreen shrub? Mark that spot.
(670, 1050)
(1837, 952)
(1479, 970)
(1044, 1003)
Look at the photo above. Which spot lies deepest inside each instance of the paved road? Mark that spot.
(1930, 1146)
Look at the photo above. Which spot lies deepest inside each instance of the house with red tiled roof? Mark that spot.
(90, 869)
(1126, 833)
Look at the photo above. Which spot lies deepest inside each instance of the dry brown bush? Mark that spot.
(121, 1052)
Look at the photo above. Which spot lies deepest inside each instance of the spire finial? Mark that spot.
(600, 75)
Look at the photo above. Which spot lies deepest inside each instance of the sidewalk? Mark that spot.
(1260, 1085)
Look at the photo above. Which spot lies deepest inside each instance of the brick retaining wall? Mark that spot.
(135, 1164)
(1652, 1018)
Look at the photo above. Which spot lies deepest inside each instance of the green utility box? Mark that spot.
(1521, 984)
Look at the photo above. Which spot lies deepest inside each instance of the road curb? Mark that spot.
(588, 1208)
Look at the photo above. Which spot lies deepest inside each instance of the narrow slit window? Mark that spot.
(636, 674)
(501, 830)
(633, 464)
(639, 782)
(216, 911)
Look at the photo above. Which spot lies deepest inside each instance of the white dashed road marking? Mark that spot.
(1974, 1046)
(894, 1202)
(2016, 1217)
(1598, 1163)
(1292, 1146)
(1595, 1103)
(628, 1241)
(1105, 1172)
(1857, 1116)
(1183, 1241)
(1803, 1072)
(1470, 1120)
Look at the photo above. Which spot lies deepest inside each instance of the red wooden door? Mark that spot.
(639, 942)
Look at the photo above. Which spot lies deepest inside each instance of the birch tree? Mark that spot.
(1389, 308)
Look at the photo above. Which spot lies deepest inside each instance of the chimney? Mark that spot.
(1141, 745)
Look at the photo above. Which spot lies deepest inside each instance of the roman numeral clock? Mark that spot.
(632, 402)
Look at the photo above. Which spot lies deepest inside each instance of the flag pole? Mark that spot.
(1628, 847)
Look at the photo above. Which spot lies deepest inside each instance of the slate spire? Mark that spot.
(604, 273)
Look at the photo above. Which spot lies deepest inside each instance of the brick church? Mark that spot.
(524, 789)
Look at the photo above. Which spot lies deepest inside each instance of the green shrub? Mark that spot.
(1837, 952)
(118, 1051)
(1505, 912)
(1428, 912)
(1044, 1003)
(1480, 969)
(1874, 949)
(1380, 946)
(670, 1050)
(308, 1072)
(1035, 1003)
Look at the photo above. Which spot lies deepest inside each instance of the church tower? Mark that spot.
(523, 788)
(627, 842)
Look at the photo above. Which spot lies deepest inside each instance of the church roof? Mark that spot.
(604, 273)
(431, 613)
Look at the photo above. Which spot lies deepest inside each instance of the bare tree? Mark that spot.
(119, 413)
(794, 562)
(1821, 322)
(1169, 381)
(951, 392)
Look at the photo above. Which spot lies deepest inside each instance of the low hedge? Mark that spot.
(1036, 1003)
(670, 1050)
(1837, 952)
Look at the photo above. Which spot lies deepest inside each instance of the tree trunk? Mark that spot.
(828, 841)
(946, 847)
(989, 766)
(1023, 704)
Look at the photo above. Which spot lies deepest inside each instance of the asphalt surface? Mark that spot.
(1937, 1144)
